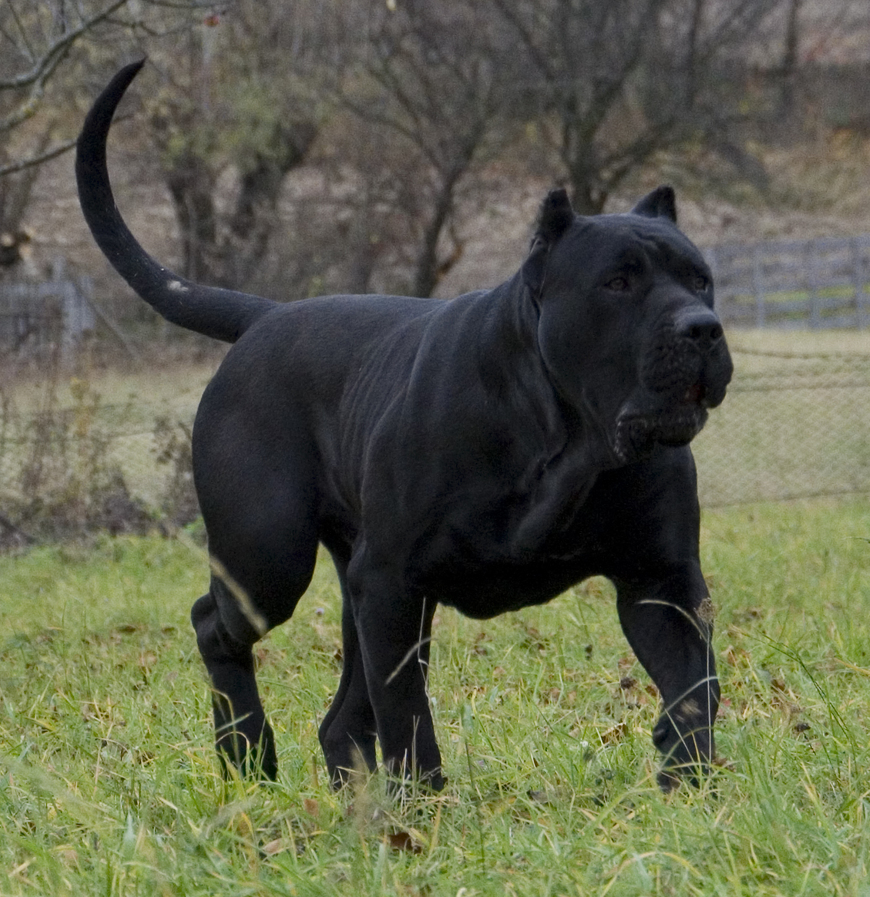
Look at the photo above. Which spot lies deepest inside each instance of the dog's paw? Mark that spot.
(238, 757)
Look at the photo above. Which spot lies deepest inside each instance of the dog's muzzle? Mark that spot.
(685, 372)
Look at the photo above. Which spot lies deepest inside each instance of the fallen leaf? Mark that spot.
(403, 841)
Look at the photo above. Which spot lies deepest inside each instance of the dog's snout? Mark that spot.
(701, 327)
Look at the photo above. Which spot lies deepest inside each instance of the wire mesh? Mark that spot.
(792, 425)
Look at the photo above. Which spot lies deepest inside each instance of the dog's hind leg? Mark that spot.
(243, 736)
(348, 731)
(244, 602)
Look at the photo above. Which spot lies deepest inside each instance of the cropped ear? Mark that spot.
(555, 218)
(556, 215)
(661, 203)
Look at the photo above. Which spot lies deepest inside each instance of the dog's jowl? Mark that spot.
(485, 452)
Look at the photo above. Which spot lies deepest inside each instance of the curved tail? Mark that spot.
(218, 313)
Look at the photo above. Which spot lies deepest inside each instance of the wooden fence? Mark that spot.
(822, 283)
(34, 316)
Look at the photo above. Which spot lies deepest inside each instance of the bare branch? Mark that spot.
(47, 63)
(32, 161)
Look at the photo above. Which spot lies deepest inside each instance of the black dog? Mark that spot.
(486, 453)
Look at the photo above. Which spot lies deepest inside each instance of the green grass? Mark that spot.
(108, 784)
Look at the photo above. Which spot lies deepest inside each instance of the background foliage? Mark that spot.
(371, 133)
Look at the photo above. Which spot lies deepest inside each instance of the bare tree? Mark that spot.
(618, 80)
(34, 40)
(790, 58)
(424, 74)
(242, 104)
(45, 50)
(821, 49)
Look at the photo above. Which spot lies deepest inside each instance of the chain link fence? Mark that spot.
(793, 425)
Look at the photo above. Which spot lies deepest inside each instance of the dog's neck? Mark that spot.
(558, 495)
(575, 450)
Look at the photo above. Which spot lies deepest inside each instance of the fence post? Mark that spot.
(758, 287)
(810, 262)
(713, 263)
(77, 316)
(858, 282)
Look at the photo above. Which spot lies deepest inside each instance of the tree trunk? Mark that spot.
(227, 253)
(429, 270)
(191, 185)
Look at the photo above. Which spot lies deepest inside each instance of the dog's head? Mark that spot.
(626, 326)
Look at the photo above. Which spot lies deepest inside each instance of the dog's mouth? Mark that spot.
(695, 394)
(638, 431)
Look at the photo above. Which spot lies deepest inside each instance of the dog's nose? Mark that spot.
(699, 326)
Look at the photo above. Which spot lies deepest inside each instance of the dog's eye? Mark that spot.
(700, 283)
(618, 284)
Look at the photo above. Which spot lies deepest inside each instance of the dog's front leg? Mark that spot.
(669, 624)
(394, 632)
(347, 733)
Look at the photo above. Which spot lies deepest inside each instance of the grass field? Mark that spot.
(108, 783)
